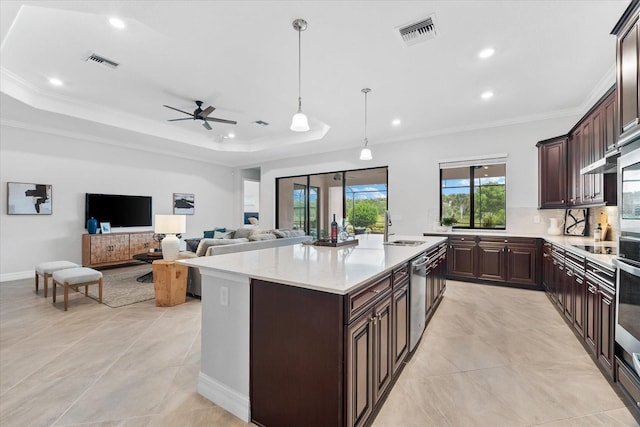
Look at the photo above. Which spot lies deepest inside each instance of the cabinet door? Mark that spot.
(574, 179)
(579, 289)
(491, 261)
(586, 155)
(552, 173)
(629, 107)
(522, 263)
(569, 293)
(559, 281)
(547, 269)
(382, 347)
(597, 152)
(140, 243)
(606, 319)
(400, 325)
(609, 123)
(109, 248)
(461, 259)
(360, 370)
(590, 315)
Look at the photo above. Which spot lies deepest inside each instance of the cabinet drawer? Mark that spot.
(365, 298)
(462, 239)
(400, 275)
(629, 383)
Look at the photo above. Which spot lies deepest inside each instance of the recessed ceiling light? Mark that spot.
(487, 95)
(396, 122)
(232, 135)
(486, 53)
(116, 23)
(55, 82)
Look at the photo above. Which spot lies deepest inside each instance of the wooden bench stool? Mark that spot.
(74, 278)
(46, 270)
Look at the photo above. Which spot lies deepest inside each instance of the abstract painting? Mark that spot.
(28, 199)
(183, 204)
(575, 222)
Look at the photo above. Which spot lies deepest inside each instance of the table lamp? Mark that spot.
(170, 225)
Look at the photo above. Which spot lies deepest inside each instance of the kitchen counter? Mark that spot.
(327, 269)
(227, 300)
(566, 242)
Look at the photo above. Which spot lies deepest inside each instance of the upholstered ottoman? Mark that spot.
(74, 278)
(46, 270)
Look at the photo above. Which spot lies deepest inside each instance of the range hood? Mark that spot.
(608, 164)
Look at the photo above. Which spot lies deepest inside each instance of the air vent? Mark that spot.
(102, 61)
(418, 31)
(261, 123)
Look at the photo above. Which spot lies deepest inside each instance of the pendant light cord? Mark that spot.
(366, 141)
(299, 68)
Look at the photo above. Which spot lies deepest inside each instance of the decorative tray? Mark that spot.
(340, 244)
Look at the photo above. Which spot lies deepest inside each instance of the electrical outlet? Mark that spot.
(536, 219)
(224, 296)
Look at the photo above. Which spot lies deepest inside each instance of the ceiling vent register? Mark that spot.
(97, 59)
(419, 31)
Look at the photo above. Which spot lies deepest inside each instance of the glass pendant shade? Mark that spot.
(299, 122)
(365, 154)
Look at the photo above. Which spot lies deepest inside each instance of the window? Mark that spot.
(475, 195)
(358, 198)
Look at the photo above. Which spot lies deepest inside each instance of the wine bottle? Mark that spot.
(334, 230)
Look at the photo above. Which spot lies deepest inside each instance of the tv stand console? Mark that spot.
(101, 250)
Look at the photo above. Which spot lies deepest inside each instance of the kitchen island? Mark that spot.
(305, 335)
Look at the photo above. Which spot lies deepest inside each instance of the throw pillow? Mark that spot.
(280, 234)
(192, 244)
(256, 237)
(243, 233)
(224, 234)
(210, 234)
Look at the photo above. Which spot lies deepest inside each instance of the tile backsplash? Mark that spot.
(521, 220)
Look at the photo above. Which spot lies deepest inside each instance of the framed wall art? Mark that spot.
(29, 199)
(183, 204)
(105, 227)
(575, 222)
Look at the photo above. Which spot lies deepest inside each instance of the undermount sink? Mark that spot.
(404, 243)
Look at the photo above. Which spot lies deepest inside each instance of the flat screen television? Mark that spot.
(119, 210)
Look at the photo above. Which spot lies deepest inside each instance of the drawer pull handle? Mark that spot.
(375, 291)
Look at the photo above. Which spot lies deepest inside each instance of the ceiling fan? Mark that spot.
(200, 114)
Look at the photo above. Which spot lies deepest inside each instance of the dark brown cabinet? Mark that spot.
(328, 359)
(584, 292)
(560, 183)
(512, 260)
(628, 74)
(461, 259)
(552, 172)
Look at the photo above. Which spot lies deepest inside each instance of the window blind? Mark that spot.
(490, 159)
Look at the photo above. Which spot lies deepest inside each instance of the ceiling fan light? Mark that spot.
(299, 122)
(365, 154)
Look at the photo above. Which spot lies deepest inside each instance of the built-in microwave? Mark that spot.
(629, 192)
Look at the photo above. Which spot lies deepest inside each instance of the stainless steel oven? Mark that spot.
(628, 310)
(629, 192)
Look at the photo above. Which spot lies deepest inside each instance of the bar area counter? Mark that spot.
(276, 324)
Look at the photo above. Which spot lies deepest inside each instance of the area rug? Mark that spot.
(120, 288)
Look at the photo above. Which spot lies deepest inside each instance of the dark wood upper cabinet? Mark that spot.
(628, 74)
(552, 172)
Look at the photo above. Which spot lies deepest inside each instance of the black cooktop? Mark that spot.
(597, 249)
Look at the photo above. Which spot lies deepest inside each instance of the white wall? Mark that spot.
(75, 167)
(414, 171)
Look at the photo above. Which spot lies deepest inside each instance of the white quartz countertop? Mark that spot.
(566, 242)
(335, 270)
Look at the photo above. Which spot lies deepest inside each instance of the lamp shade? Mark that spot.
(170, 224)
(299, 122)
(365, 154)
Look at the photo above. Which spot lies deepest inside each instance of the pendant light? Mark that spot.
(299, 122)
(365, 154)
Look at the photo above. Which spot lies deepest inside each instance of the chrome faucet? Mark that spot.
(387, 224)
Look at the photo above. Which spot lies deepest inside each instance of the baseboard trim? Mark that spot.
(6, 277)
(223, 396)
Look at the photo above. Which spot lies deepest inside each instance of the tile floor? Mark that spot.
(491, 356)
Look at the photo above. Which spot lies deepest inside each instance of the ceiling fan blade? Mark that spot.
(190, 114)
(213, 119)
(204, 113)
(175, 120)
(206, 125)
